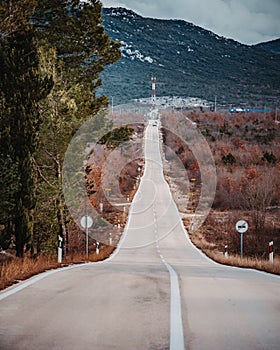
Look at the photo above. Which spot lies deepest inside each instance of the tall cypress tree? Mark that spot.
(21, 88)
(8, 183)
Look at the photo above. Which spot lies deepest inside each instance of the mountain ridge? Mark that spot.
(271, 45)
(188, 61)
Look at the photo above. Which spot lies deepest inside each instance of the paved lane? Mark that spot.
(125, 303)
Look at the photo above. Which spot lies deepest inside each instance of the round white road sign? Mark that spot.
(86, 221)
(241, 226)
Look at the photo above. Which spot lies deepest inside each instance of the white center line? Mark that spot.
(176, 323)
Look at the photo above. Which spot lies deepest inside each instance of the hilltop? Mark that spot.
(187, 61)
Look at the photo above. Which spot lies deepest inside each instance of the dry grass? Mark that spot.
(16, 270)
(210, 249)
(254, 263)
(19, 269)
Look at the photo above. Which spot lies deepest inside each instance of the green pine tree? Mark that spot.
(75, 30)
(74, 59)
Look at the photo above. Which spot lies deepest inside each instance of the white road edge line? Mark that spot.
(176, 323)
(22, 285)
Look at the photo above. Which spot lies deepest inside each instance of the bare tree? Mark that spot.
(258, 193)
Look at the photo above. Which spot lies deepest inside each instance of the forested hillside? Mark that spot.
(187, 61)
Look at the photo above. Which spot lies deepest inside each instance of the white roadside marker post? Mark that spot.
(226, 251)
(59, 250)
(270, 245)
(86, 227)
(101, 207)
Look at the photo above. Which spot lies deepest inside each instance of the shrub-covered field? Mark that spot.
(245, 148)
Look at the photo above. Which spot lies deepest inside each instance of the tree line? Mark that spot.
(51, 57)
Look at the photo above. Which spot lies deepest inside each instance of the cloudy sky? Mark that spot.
(247, 21)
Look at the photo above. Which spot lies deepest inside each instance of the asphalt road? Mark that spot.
(157, 292)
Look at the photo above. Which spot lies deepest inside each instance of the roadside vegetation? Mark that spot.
(16, 269)
(246, 152)
(51, 57)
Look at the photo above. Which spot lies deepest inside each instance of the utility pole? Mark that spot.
(215, 104)
(112, 105)
(154, 91)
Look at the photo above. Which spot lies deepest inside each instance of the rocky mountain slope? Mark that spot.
(272, 46)
(187, 61)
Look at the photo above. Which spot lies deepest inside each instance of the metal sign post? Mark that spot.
(241, 227)
(86, 222)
